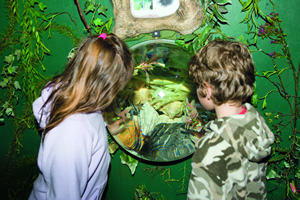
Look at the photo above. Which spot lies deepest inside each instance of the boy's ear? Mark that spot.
(208, 90)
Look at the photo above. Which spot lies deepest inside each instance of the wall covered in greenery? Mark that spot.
(37, 36)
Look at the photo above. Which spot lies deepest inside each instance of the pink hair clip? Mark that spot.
(102, 35)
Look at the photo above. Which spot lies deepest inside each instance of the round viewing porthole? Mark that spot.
(157, 116)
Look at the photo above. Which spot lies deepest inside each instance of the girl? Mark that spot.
(73, 157)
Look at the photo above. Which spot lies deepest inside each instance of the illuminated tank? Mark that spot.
(155, 116)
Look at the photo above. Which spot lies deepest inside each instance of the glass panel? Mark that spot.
(155, 116)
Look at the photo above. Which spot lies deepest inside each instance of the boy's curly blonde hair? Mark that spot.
(228, 68)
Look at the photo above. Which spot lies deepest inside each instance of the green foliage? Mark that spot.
(284, 163)
(23, 50)
(97, 24)
(9, 82)
(141, 193)
(213, 17)
(61, 28)
(19, 72)
(129, 161)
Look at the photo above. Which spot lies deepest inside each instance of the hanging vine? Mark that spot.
(21, 81)
(284, 163)
(213, 18)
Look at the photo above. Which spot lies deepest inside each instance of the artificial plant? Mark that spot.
(284, 163)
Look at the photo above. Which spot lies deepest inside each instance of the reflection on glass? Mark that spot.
(153, 8)
(155, 116)
(143, 4)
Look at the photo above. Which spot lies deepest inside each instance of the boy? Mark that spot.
(230, 160)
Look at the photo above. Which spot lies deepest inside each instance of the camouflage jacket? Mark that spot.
(230, 160)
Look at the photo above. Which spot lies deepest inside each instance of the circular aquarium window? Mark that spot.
(156, 117)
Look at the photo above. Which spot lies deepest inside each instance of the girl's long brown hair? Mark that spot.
(92, 79)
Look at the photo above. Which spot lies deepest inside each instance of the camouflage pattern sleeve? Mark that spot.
(230, 161)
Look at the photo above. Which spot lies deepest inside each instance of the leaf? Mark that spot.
(222, 2)
(272, 175)
(211, 16)
(248, 14)
(11, 69)
(113, 147)
(204, 35)
(3, 84)
(9, 59)
(5, 105)
(18, 54)
(246, 6)
(129, 161)
(218, 15)
(283, 70)
(264, 104)
(36, 14)
(23, 39)
(254, 99)
(32, 2)
(268, 114)
(17, 85)
(265, 73)
(9, 112)
(42, 7)
(89, 8)
(196, 46)
(108, 24)
(44, 18)
(298, 174)
(286, 164)
(6, 80)
(102, 10)
(179, 42)
(256, 8)
(222, 9)
(98, 22)
(241, 38)
(188, 37)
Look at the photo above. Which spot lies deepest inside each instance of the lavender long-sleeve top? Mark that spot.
(74, 158)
